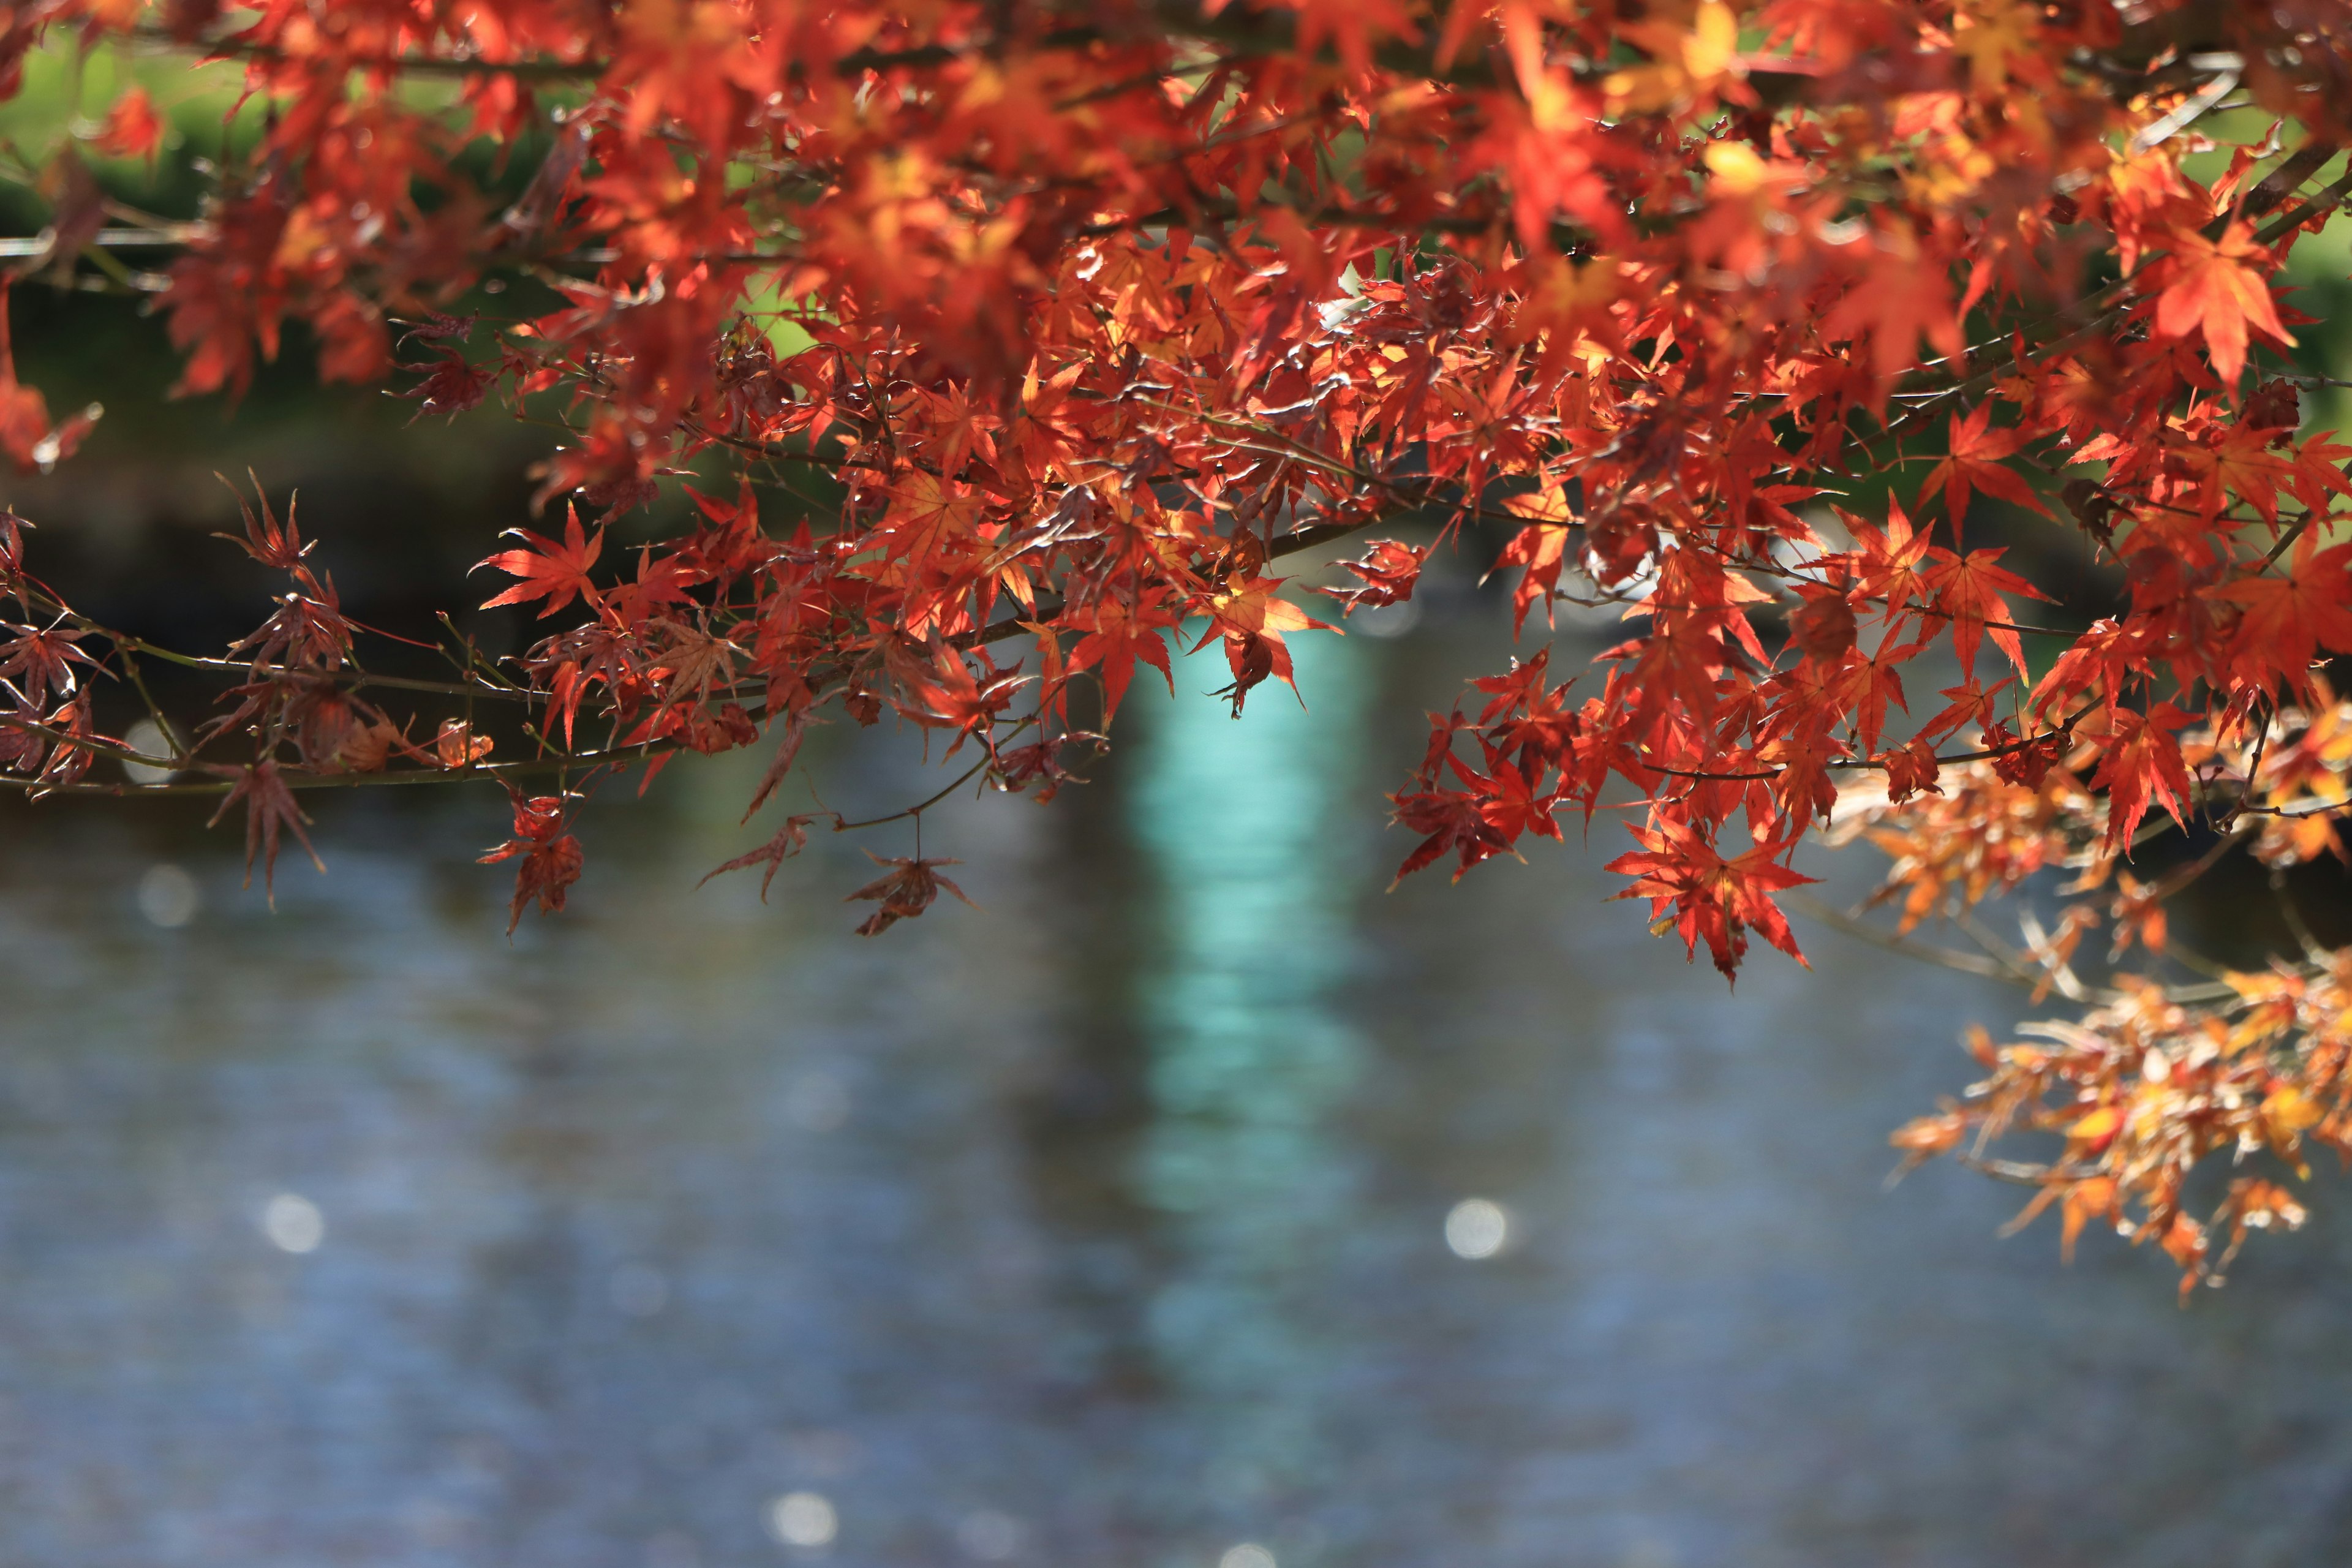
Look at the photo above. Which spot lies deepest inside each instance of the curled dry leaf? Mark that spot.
(905, 891)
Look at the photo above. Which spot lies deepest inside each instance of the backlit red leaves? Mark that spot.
(548, 571)
(1696, 893)
(1898, 298)
(1454, 823)
(551, 857)
(1967, 590)
(953, 696)
(456, 745)
(789, 841)
(28, 437)
(2218, 288)
(2142, 764)
(452, 385)
(1115, 642)
(2145, 1090)
(12, 544)
(2289, 618)
(1977, 459)
(1525, 737)
(38, 662)
(1890, 562)
(1018, 328)
(1387, 575)
(1823, 626)
(1252, 620)
(275, 544)
(1075, 343)
(1540, 550)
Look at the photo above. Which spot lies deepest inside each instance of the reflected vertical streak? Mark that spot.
(1241, 826)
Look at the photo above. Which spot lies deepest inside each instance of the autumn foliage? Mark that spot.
(1754, 323)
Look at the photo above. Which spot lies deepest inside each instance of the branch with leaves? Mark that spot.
(970, 325)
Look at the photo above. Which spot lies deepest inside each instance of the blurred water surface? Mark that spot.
(1104, 1227)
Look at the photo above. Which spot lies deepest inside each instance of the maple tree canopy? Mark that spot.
(1729, 313)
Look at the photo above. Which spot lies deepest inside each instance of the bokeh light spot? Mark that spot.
(802, 1519)
(169, 897)
(1476, 1227)
(293, 1222)
(147, 738)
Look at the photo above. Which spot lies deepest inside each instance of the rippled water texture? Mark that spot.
(1119, 1223)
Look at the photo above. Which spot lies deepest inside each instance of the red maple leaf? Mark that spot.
(1710, 897)
(551, 857)
(42, 659)
(1887, 564)
(1969, 589)
(962, 700)
(1453, 824)
(269, 808)
(789, 841)
(1388, 571)
(1115, 641)
(452, 385)
(1900, 298)
(2143, 761)
(548, 571)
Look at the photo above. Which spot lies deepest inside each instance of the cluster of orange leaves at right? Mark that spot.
(2152, 1083)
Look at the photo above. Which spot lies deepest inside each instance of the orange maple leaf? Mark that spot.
(2215, 291)
(1975, 460)
(1113, 644)
(1969, 589)
(2288, 619)
(1252, 618)
(1710, 897)
(1901, 298)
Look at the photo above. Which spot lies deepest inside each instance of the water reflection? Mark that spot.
(1250, 1053)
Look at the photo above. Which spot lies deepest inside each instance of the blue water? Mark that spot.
(1102, 1228)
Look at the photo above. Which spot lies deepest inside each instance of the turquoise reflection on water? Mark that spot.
(1249, 1053)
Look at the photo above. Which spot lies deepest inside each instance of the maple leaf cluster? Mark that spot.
(2157, 1079)
(2144, 1090)
(1758, 322)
